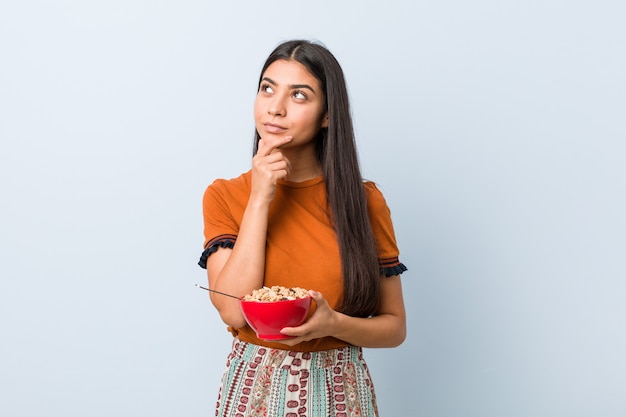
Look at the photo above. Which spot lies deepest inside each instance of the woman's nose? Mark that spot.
(277, 107)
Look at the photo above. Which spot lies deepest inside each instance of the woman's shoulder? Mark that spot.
(228, 190)
(223, 184)
(373, 194)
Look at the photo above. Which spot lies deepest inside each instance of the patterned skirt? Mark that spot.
(266, 382)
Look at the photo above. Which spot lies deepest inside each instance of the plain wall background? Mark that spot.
(495, 129)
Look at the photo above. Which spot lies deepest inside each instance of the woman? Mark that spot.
(302, 216)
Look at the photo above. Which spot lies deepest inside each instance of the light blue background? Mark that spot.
(495, 129)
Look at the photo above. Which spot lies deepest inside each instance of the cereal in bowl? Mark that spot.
(276, 293)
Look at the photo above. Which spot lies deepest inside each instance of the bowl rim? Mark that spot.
(274, 302)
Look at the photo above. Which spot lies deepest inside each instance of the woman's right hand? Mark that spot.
(268, 166)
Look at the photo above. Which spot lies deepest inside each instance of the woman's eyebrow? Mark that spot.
(301, 86)
(292, 86)
(269, 80)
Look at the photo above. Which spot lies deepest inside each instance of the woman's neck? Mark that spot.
(304, 166)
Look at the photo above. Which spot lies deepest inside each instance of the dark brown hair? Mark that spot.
(336, 151)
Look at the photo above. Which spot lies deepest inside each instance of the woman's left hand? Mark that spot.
(320, 324)
(386, 328)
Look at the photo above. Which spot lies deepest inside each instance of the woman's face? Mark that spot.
(290, 102)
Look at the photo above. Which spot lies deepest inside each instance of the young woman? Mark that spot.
(303, 217)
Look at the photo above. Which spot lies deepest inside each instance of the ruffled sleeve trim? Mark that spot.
(221, 241)
(391, 266)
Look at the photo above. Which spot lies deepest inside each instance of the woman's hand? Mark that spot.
(386, 328)
(268, 166)
(320, 324)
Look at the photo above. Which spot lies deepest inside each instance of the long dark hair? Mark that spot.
(336, 151)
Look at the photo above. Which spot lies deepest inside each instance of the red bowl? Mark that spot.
(267, 318)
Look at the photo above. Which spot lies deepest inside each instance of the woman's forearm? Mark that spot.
(240, 270)
(387, 328)
(382, 331)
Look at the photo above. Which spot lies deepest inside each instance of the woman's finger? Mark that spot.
(267, 146)
(271, 163)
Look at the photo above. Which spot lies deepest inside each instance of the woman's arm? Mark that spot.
(240, 270)
(387, 328)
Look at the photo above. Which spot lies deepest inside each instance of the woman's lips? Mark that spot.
(272, 128)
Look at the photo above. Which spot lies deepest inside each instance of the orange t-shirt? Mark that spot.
(301, 249)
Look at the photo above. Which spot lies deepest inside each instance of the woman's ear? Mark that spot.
(325, 120)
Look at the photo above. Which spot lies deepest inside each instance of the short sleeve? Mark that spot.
(382, 226)
(222, 211)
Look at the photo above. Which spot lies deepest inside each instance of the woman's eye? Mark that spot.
(266, 88)
(299, 95)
